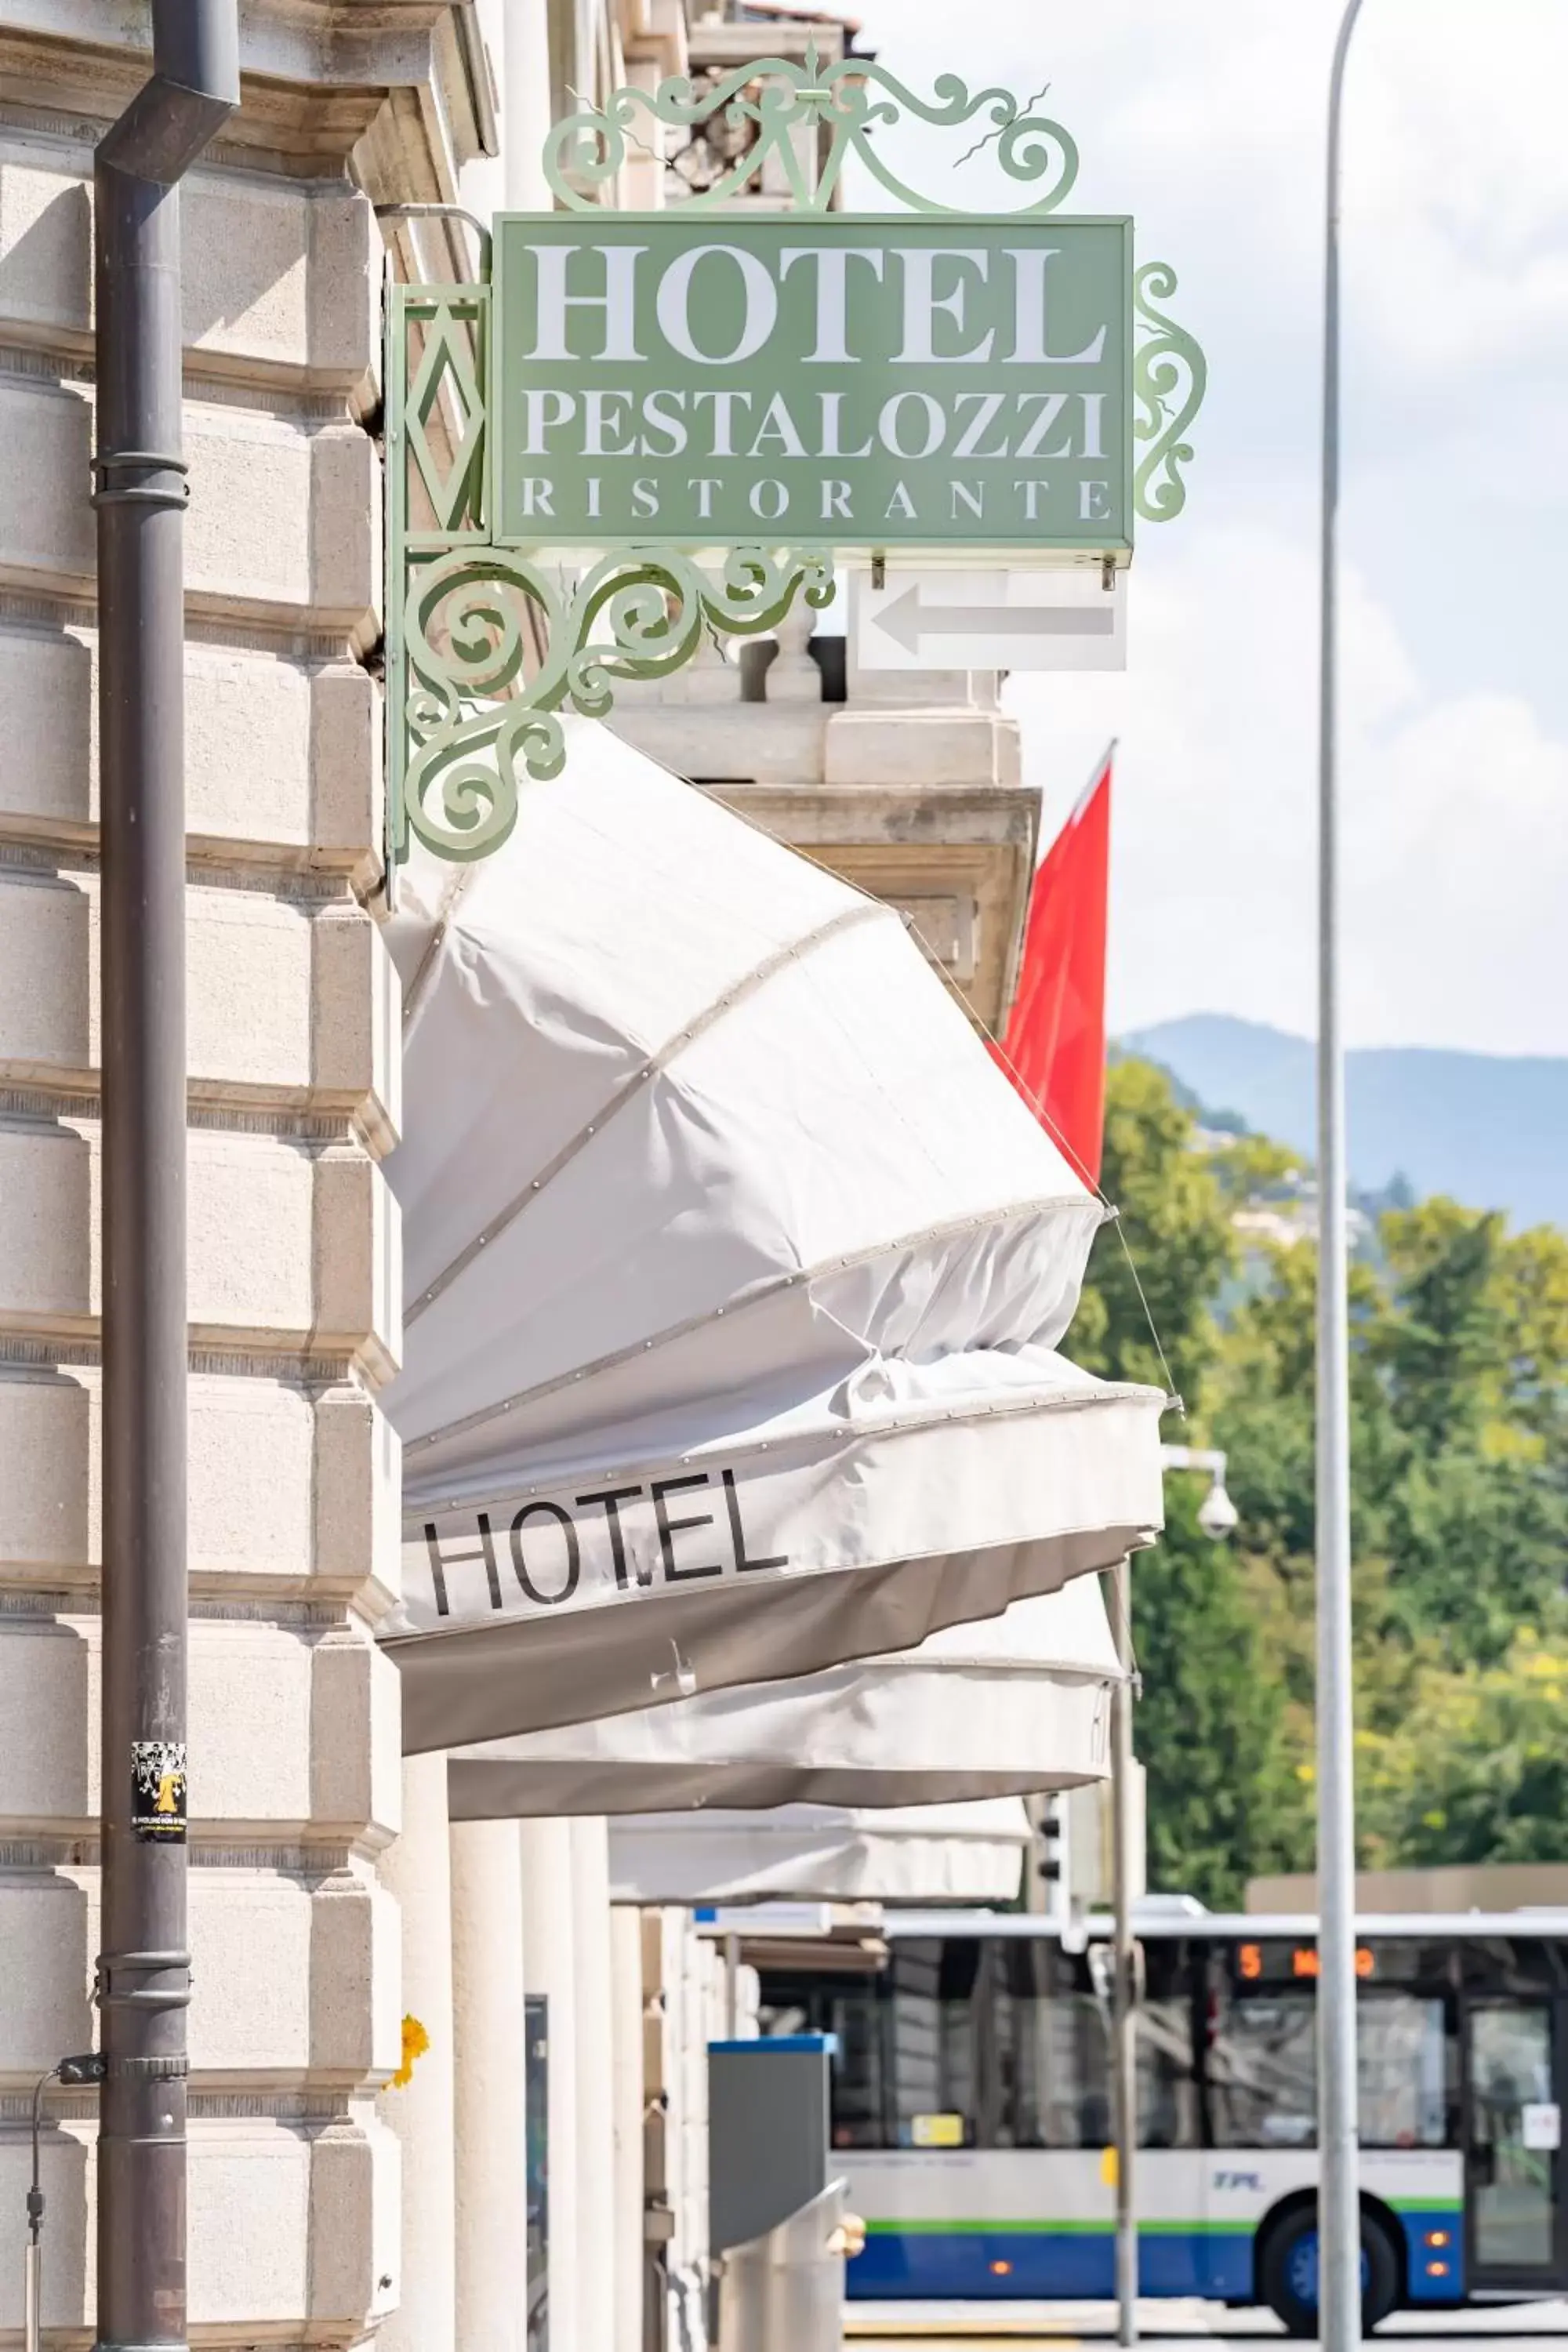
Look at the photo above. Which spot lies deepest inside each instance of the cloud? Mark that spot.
(1206, 117)
(1459, 879)
(1458, 177)
(1455, 813)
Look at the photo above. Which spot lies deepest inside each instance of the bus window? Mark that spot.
(1262, 2076)
(1262, 2067)
(931, 2042)
(989, 2040)
(1057, 2076)
(1404, 2060)
(847, 2010)
(1167, 2089)
(1168, 2110)
(857, 2090)
(1015, 2041)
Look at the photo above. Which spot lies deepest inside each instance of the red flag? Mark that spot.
(1055, 1047)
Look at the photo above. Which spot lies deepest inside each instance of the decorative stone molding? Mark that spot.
(407, 81)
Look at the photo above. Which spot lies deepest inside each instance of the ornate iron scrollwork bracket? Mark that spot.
(1170, 376)
(800, 122)
(486, 643)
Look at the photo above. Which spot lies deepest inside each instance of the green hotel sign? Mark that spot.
(634, 426)
(877, 383)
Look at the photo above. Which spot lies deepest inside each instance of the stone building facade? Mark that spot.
(328, 2206)
(293, 1061)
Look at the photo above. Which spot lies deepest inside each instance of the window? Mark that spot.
(1261, 2071)
(1167, 2089)
(846, 2008)
(852, 2018)
(1004, 2043)
(1408, 2071)
(1052, 2052)
(1262, 2067)
(932, 2040)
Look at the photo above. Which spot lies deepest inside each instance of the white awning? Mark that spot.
(735, 1277)
(916, 1853)
(1017, 1704)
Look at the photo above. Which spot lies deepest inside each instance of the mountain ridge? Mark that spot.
(1489, 1128)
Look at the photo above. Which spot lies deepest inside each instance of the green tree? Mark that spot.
(1473, 1348)
(1479, 1771)
(1531, 1278)
(1256, 1168)
(1221, 1800)
(1460, 1513)
(1479, 1544)
(1209, 1725)
(1440, 1338)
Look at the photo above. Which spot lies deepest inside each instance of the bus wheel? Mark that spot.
(1288, 2273)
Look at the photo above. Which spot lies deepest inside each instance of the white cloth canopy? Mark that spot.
(1016, 1704)
(841, 1853)
(736, 1272)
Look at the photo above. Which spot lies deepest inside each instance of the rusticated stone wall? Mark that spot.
(294, 1250)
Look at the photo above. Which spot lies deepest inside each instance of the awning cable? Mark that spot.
(1113, 1213)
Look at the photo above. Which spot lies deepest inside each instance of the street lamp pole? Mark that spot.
(1125, 1968)
(1217, 1519)
(1339, 2203)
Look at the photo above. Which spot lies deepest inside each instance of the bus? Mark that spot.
(972, 2105)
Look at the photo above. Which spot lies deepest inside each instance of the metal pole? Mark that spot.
(1124, 1987)
(33, 2298)
(731, 1987)
(1338, 2204)
(140, 495)
(33, 2274)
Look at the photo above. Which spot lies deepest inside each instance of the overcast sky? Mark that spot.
(1204, 119)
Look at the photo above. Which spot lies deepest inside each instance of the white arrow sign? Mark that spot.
(913, 624)
(991, 620)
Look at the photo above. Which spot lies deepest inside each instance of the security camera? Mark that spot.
(1218, 1515)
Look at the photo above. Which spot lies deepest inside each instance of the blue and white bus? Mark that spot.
(971, 2107)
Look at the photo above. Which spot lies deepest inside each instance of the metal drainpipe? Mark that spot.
(143, 1972)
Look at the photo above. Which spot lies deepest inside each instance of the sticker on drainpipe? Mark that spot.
(158, 1791)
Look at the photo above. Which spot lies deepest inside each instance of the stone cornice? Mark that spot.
(409, 78)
